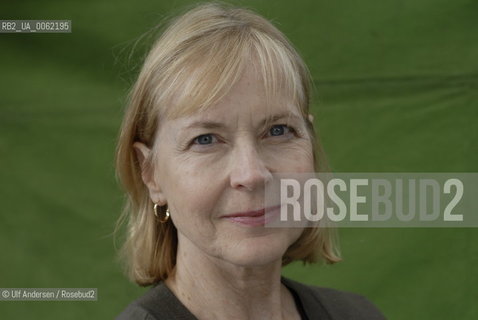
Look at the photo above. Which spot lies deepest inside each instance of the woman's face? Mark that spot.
(211, 167)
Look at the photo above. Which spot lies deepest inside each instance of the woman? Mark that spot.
(220, 105)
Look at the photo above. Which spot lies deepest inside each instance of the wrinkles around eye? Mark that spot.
(278, 131)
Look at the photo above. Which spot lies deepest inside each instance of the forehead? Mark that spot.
(245, 99)
(247, 93)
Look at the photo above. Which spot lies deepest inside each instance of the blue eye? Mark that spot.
(205, 139)
(279, 130)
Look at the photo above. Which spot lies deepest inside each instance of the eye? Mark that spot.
(280, 130)
(205, 139)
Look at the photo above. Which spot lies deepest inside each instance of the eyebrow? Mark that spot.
(219, 125)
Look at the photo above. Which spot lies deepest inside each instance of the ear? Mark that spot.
(147, 173)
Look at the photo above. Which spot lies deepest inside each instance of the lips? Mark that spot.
(254, 217)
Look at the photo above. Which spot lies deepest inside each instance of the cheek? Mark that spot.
(192, 197)
(296, 157)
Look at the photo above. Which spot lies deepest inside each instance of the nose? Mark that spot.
(248, 169)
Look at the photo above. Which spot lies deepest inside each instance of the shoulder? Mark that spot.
(158, 303)
(135, 311)
(335, 303)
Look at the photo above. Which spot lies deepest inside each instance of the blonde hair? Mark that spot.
(195, 62)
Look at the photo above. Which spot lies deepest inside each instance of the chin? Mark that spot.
(257, 252)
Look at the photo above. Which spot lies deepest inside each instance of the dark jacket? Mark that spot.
(159, 303)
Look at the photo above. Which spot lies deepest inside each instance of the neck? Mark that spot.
(229, 291)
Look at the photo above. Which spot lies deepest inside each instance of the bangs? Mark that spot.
(206, 69)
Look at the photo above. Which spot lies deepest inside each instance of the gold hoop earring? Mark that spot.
(157, 214)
